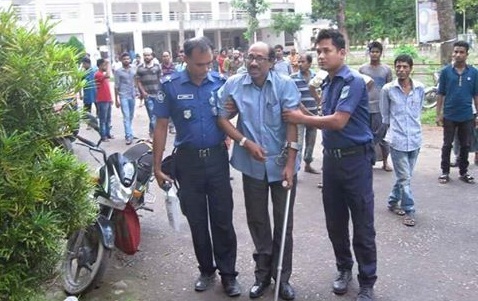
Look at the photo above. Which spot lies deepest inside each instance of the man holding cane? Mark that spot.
(266, 153)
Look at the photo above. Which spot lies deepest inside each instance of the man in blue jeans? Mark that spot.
(125, 94)
(458, 85)
(148, 76)
(401, 104)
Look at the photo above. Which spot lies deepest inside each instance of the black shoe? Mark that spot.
(231, 286)
(204, 282)
(286, 292)
(365, 294)
(341, 283)
(258, 289)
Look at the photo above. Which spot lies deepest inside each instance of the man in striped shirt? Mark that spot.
(148, 77)
(309, 107)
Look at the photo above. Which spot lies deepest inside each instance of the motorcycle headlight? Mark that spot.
(129, 173)
(119, 194)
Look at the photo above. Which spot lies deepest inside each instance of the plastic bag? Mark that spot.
(173, 209)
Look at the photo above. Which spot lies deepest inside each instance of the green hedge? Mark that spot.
(43, 190)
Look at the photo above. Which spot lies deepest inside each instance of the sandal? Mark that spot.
(409, 220)
(393, 207)
(467, 179)
(444, 178)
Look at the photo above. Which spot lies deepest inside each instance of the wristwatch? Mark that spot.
(293, 145)
(243, 140)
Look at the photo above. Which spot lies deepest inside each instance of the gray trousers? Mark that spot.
(267, 241)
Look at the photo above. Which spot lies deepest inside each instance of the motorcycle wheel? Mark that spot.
(85, 261)
(430, 99)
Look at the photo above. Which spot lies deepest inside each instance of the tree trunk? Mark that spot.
(446, 21)
(341, 23)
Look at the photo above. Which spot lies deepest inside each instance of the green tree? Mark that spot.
(43, 190)
(333, 10)
(77, 45)
(289, 23)
(253, 9)
(366, 20)
(468, 10)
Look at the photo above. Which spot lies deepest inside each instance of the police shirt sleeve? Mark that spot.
(351, 95)
(162, 104)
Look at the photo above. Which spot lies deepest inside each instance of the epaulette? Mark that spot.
(169, 77)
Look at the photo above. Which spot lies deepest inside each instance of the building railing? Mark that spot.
(148, 17)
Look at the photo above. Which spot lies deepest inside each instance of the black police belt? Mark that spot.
(200, 152)
(339, 153)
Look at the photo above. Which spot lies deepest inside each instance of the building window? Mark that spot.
(288, 39)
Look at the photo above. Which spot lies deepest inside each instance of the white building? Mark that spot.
(135, 24)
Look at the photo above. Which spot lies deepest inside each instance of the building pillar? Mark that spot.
(218, 39)
(216, 15)
(187, 13)
(169, 45)
(165, 10)
(138, 41)
(89, 37)
(40, 10)
(140, 12)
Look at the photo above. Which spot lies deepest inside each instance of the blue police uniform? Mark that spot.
(202, 167)
(347, 175)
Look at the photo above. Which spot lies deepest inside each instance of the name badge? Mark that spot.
(185, 96)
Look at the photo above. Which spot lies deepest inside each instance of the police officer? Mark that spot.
(347, 167)
(202, 163)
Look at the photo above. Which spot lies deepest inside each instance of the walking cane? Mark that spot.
(282, 243)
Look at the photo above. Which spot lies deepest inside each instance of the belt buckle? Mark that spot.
(203, 153)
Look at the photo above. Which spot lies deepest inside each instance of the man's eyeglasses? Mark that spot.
(259, 59)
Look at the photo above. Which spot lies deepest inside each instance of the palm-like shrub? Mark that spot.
(43, 190)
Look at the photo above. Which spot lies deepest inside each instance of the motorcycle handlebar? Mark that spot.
(86, 141)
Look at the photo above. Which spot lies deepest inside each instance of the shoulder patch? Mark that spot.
(161, 96)
(345, 92)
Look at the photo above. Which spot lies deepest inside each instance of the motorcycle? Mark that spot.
(123, 180)
(431, 93)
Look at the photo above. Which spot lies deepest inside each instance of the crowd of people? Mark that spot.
(278, 104)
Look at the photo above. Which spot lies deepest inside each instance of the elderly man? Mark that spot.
(265, 153)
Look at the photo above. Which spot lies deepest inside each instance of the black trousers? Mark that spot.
(464, 131)
(206, 199)
(348, 192)
(267, 241)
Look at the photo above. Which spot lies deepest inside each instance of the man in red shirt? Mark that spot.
(103, 98)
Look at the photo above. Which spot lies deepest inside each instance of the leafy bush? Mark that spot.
(43, 190)
(429, 116)
(406, 49)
